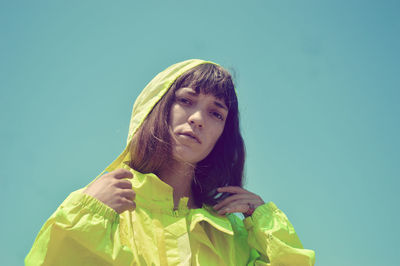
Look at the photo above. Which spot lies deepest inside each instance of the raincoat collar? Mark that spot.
(154, 194)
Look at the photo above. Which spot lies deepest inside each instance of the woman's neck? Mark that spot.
(179, 176)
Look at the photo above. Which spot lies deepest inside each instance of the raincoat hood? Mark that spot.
(147, 99)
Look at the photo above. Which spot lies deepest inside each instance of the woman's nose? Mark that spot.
(196, 119)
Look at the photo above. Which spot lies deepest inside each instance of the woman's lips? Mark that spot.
(190, 135)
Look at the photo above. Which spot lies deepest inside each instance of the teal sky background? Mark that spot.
(318, 85)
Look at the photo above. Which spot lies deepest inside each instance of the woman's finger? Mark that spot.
(123, 184)
(234, 207)
(128, 194)
(233, 189)
(125, 205)
(241, 205)
(121, 173)
(229, 199)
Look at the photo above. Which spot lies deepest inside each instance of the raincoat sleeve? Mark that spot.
(273, 239)
(82, 231)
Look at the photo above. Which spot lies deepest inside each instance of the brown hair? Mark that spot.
(151, 145)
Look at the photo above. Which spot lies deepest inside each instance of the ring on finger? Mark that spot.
(250, 210)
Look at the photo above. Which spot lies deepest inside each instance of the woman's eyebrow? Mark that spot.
(193, 93)
(187, 90)
(220, 105)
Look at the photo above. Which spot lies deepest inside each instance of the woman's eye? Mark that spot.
(218, 115)
(184, 100)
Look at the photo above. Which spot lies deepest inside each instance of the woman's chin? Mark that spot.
(184, 156)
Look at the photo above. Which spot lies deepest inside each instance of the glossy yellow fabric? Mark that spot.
(85, 231)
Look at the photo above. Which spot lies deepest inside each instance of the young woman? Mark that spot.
(169, 198)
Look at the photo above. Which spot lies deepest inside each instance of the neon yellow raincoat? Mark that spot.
(85, 231)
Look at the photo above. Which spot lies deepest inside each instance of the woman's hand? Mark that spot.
(112, 190)
(242, 201)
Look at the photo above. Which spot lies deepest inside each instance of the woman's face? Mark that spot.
(196, 123)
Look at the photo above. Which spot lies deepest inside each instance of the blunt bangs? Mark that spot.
(210, 79)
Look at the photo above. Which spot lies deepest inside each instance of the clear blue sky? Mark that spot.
(318, 85)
